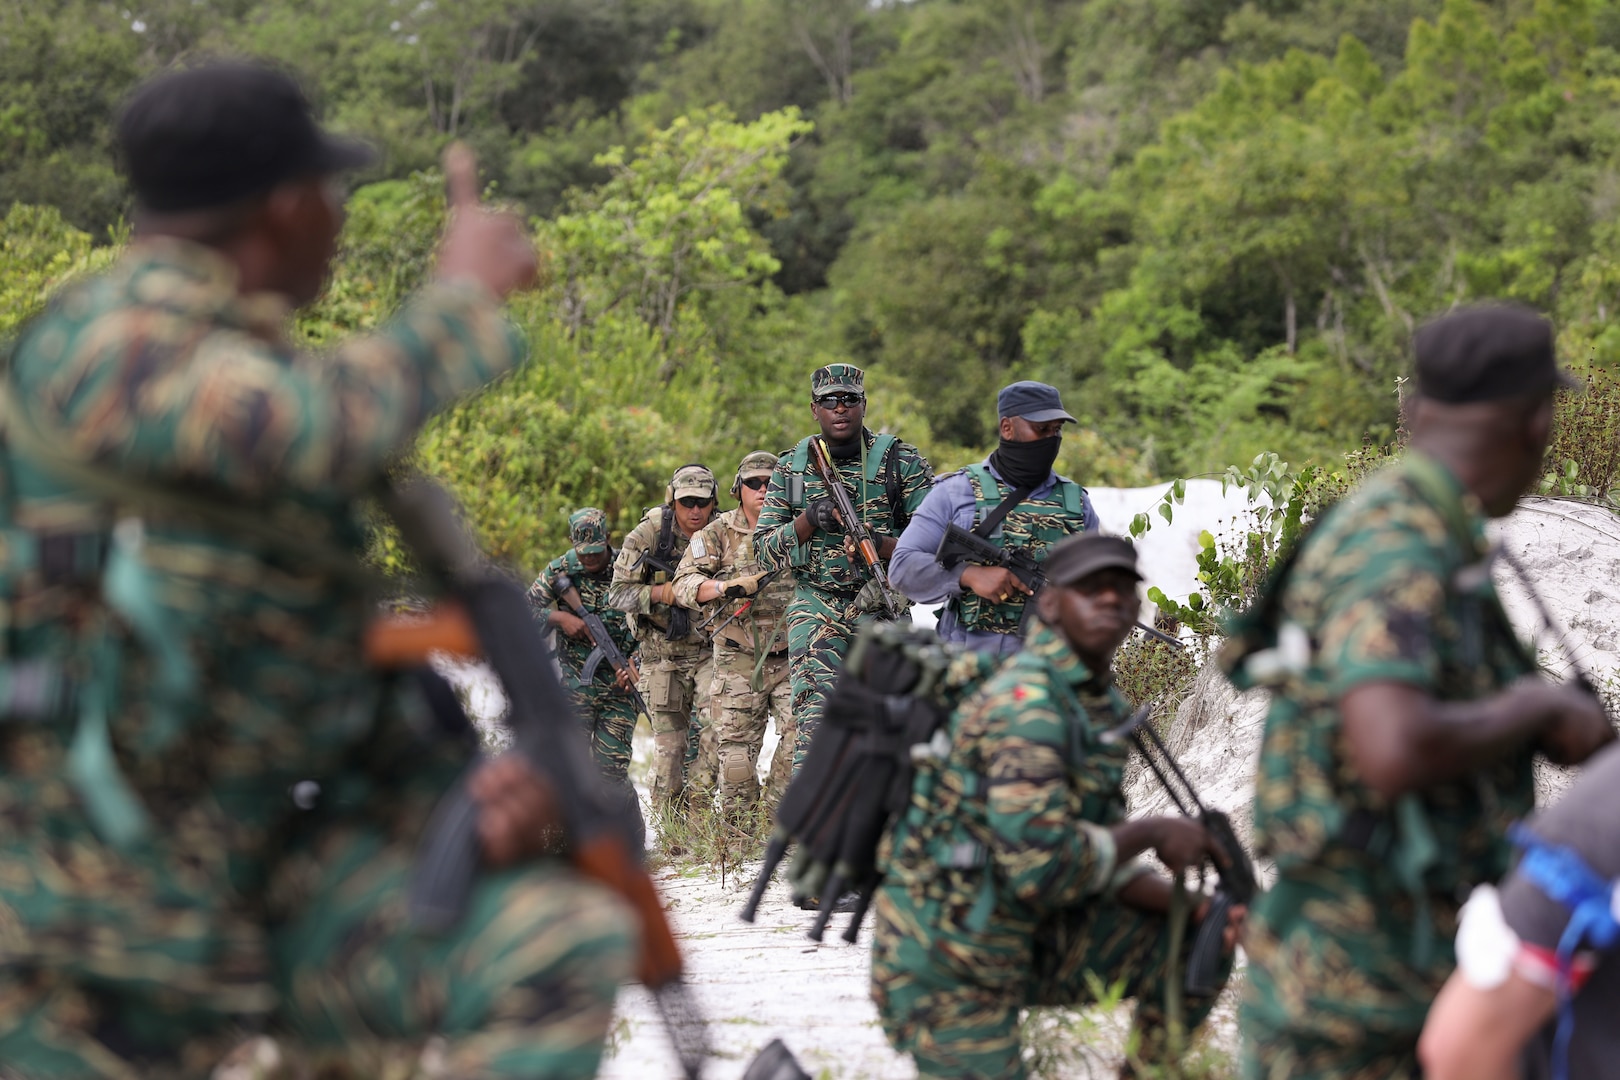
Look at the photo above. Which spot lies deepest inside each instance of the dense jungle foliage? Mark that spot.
(1213, 224)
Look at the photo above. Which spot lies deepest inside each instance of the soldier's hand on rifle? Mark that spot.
(516, 813)
(1237, 916)
(996, 584)
(627, 677)
(570, 624)
(746, 585)
(490, 247)
(1577, 726)
(870, 598)
(661, 594)
(1182, 843)
(823, 514)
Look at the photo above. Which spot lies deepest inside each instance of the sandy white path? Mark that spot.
(757, 982)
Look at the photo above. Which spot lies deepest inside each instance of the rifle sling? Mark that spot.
(1006, 506)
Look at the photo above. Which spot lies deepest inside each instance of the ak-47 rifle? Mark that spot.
(489, 615)
(1238, 882)
(960, 545)
(603, 646)
(854, 527)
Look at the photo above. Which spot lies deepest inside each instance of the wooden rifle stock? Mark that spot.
(400, 641)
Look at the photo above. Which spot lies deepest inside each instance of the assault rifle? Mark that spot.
(1238, 883)
(489, 615)
(713, 629)
(854, 528)
(602, 642)
(960, 545)
(680, 620)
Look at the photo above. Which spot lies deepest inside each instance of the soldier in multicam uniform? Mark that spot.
(984, 605)
(798, 532)
(750, 642)
(1404, 717)
(677, 664)
(1013, 877)
(604, 706)
(222, 837)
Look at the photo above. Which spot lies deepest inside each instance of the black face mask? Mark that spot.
(1026, 464)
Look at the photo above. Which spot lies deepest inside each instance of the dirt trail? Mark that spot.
(755, 983)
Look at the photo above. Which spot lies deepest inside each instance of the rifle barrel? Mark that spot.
(1192, 793)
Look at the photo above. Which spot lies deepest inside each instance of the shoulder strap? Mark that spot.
(877, 457)
(1074, 496)
(987, 482)
(886, 454)
(666, 533)
(799, 460)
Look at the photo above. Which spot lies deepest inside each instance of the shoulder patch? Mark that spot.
(697, 547)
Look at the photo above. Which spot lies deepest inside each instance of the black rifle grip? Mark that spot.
(1204, 959)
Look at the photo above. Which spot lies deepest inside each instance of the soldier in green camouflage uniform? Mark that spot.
(677, 664)
(1013, 873)
(798, 532)
(604, 706)
(984, 607)
(1404, 717)
(750, 641)
(214, 830)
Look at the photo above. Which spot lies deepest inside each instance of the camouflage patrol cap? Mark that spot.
(759, 463)
(587, 531)
(693, 480)
(835, 378)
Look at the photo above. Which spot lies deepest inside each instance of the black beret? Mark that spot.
(211, 135)
(1486, 353)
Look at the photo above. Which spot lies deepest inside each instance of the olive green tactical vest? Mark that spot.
(1034, 524)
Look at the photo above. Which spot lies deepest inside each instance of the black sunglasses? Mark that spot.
(832, 401)
(754, 483)
(692, 502)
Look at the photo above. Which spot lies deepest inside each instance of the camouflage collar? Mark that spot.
(1047, 644)
(197, 280)
(733, 519)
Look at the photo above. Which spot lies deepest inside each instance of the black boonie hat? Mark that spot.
(211, 135)
(1083, 554)
(1487, 352)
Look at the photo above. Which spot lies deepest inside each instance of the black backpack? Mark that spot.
(887, 711)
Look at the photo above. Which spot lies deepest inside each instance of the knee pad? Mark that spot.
(736, 766)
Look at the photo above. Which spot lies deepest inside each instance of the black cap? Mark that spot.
(1487, 353)
(1033, 401)
(1083, 554)
(212, 135)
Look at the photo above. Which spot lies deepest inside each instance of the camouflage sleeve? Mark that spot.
(1045, 853)
(629, 593)
(247, 415)
(1381, 589)
(618, 624)
(694, 570)
(916, 478)
(776, 545)
(542, 596)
